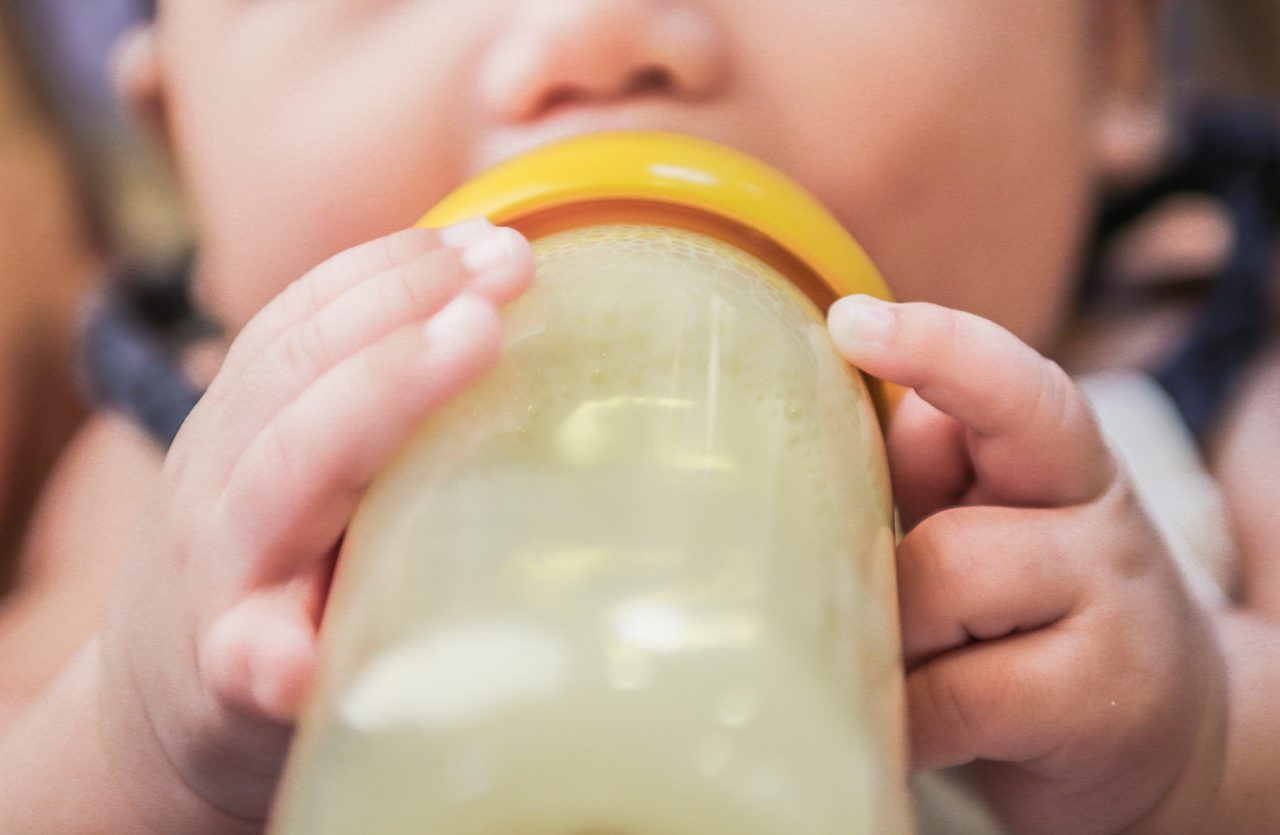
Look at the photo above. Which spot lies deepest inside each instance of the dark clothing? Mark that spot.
(131, 350)
(1231, 154)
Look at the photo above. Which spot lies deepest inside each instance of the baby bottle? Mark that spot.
(638, 580)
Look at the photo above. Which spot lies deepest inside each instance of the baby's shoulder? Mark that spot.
(93, 498)
(84, 520)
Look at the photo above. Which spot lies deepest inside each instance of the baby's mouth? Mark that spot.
(575, 119)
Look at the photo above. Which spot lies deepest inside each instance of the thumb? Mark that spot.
(259, 655)
(1029, 431)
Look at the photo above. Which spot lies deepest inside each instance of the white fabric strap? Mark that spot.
(1145, 431)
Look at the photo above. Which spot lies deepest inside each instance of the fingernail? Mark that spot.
(500, 246)
(456, 319)
(465, 233)
(859, 323)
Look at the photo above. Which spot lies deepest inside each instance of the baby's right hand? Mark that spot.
(210, 641)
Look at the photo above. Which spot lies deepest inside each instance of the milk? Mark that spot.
(639, 580)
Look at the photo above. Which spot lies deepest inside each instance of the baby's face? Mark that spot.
(954, 139)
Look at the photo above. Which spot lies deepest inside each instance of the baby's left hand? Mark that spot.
(1046, 632)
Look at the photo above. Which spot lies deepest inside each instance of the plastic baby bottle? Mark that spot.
(639, 580)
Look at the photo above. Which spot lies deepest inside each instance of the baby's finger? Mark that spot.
(259, 656)
(497, 266)
(983, 573)
(333, 277)
(292, 493)
(1008, 701)
(1032, 436)
(928, 460)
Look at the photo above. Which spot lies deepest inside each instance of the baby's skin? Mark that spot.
(1048, 637)
(1046, 631)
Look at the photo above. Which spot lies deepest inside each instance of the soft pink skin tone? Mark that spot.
(957, 140)
(1046, 632)
(197, 685)
(304, 128)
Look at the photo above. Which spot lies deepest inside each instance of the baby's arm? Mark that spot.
(177, 716)
(1249, 799)
(1246, 461)
(1047, 634)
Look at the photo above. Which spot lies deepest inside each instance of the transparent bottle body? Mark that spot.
(639, 581)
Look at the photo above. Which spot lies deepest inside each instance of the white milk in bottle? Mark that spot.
(638, 580)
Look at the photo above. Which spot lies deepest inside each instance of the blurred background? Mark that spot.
(79, 191)
(1236, 50)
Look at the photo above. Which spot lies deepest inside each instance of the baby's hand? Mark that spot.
(210, 642)
(1047, 635)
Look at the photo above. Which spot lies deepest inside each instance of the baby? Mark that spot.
(1048, 635)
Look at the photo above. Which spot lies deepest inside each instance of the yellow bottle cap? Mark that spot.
(679, 181)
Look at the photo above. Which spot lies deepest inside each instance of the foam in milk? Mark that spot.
(639, 580)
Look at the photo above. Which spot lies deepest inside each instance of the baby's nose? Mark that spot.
(558, 52)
